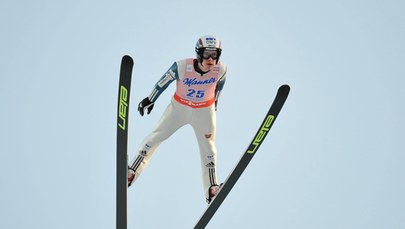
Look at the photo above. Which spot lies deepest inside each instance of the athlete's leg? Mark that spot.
(175, 116)
(204, 125)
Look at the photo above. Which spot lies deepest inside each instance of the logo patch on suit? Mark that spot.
(189, 68)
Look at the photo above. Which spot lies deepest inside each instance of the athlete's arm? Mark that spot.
(170, 76)
(219, 87)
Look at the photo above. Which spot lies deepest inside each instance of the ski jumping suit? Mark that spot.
(194, 103)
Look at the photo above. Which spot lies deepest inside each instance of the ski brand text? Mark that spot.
(123, 108)
(261, 135)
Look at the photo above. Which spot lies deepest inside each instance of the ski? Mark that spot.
(261, 134)
(122, 141)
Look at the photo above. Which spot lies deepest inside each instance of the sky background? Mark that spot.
(333, 159)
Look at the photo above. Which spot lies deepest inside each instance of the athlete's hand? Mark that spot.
(145, 104)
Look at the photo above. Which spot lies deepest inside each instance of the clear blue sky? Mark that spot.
(334, 158)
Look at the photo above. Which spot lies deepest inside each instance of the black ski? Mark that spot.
(261, 134)
(122, 140)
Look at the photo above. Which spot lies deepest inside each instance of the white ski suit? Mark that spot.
(193, 103)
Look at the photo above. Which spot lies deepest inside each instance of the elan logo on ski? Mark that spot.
(261, 134)
(123, 107)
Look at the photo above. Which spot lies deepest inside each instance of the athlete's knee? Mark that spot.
(210, 159)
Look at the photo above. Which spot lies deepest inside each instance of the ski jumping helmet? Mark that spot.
(207, 42)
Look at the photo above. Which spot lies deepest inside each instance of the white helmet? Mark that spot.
(207, 42)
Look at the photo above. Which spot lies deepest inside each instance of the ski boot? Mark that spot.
(213, 191)
(131, 176)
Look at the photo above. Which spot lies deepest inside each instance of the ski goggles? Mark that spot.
(210, 53)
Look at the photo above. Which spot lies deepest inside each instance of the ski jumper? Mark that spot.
(193, 103)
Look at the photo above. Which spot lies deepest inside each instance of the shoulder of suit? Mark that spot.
(221, 67)
(184, 62)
